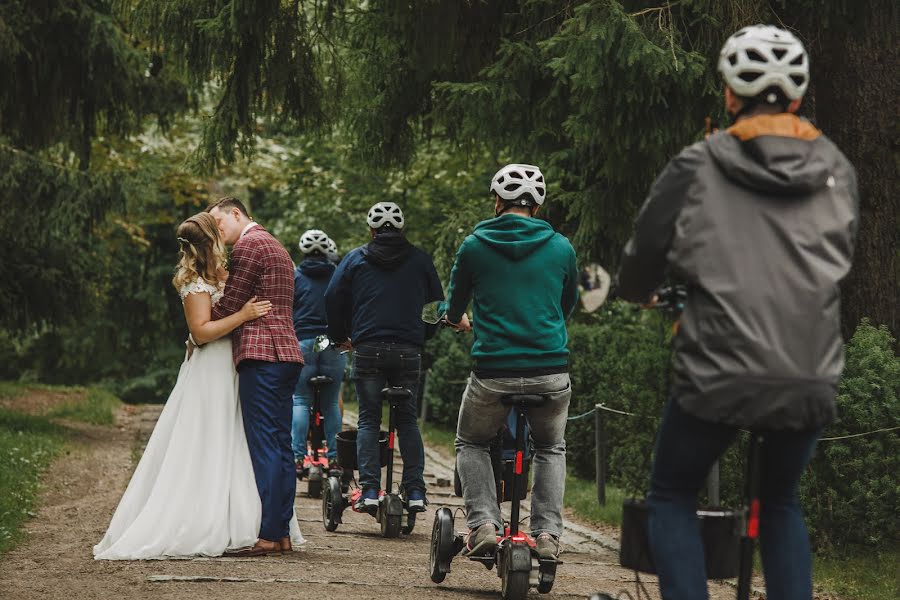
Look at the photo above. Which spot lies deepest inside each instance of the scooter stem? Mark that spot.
(518, 472)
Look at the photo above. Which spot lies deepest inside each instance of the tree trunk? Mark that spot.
(856, 85)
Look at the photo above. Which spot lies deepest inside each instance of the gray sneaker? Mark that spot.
(482, 541)
(547, 546)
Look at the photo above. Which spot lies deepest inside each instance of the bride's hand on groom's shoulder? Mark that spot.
(254, 310)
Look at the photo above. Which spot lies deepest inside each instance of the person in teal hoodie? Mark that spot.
(522, 280)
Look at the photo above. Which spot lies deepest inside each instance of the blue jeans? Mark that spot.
(330, 363)
(686, 448)
(377, 365)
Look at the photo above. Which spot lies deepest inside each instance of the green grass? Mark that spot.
(860, 573)
(28, 444)
(581, 497)
(97, 406)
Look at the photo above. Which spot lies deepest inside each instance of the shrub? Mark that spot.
(619, 358)
(447, 359)
(851, 491)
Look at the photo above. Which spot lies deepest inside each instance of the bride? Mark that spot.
(193, 492)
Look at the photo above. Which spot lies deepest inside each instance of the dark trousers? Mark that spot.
(266, 390)
(377, 365)
(686, 448)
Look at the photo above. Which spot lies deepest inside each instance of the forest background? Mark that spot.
(120, 118)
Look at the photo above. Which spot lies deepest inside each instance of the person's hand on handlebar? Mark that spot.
(653, 301)
(463, 325)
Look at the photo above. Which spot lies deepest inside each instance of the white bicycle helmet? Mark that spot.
(313, 240)
(762, 56)
(385, 213)
(513, 180)
(332, 247)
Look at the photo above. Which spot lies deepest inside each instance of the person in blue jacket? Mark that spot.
(375, 299)
(311, 278)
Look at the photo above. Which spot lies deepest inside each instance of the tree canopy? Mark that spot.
(123, 116)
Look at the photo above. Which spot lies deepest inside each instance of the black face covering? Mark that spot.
(388, 250)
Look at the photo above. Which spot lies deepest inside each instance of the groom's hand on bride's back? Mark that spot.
(254, 310)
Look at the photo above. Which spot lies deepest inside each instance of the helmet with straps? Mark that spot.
(385, 214)
(513, 181)
(314, 240)
(760, 57)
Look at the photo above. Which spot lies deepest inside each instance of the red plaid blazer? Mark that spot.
(261, 267)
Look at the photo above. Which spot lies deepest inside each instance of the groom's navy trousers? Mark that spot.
(266, 390)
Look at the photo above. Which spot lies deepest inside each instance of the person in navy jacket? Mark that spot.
(311, 278)
(375, 300)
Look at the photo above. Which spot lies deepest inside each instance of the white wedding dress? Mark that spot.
(193, 492)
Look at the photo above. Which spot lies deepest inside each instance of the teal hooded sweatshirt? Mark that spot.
(523, 283)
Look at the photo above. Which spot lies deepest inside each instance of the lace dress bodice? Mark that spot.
(199, 286)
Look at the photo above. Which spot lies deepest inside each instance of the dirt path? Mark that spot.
(83, 487)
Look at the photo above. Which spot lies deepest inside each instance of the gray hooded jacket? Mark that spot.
(760, 223)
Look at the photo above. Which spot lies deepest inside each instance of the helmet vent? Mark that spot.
(513, 187)
(798, 79)
(749, 77)
(732, 58)
(779, 52)
(516, 175)
(798, 61)
(756, 56)
(529, 174)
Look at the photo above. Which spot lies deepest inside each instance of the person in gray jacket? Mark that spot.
(759, 221)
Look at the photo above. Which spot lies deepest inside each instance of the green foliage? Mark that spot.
(619, 358)
(27, 445)
(75, 75)
(262, 54)
(49, 265)
(450, 364)
(852, 492)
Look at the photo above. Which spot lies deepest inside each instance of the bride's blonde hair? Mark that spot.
(202, 251)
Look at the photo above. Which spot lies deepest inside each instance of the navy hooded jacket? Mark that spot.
(311, 278)
(378, 291)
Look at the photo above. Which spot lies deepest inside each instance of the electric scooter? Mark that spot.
(315, 464)
(391, 507)
(518, 564)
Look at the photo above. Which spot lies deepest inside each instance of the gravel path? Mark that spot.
(83, 487)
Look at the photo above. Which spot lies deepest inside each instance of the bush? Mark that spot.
(447, 359)
(851, 491)
(619, 358)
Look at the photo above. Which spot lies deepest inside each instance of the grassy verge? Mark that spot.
(28, 444)
(860, 573)
(97, 406)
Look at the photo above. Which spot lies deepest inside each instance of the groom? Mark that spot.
(268, 362)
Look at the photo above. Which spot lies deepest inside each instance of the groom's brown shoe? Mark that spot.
(286, 544)
(260, 548)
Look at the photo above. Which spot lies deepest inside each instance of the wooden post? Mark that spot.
(600, 453)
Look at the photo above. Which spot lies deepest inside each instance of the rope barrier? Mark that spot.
(824, 439)
(581, 416)
(856, 435)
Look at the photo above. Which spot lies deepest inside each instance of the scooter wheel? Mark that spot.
(546, 577)
(515, 584)
(314, 488)
(410, 524)
(332, 502)
(390, 526)
(441, 545)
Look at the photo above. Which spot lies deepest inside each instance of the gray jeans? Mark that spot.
(482, 416)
